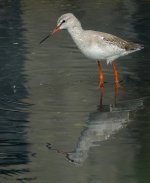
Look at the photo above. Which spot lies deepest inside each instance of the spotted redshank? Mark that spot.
(98, 46)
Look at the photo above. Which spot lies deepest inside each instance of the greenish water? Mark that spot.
(52, 126)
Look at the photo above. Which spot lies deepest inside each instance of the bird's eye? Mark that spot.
(62, 22)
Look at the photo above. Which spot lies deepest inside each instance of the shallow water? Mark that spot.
(54, 124)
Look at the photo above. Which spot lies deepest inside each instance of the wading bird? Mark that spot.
(98, 46)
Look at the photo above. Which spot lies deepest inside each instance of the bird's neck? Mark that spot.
(75, 30)
(76, 33)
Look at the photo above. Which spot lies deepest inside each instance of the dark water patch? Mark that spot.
(13, 122)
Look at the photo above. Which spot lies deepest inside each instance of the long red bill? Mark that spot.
(54, 31)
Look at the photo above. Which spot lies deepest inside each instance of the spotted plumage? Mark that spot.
(96, 45)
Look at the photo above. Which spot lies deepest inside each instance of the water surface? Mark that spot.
(52, 126)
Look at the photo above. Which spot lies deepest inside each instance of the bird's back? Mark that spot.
(110, 39)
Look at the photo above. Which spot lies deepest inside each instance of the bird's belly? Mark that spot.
(97, 53)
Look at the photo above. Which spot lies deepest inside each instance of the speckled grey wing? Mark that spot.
(114, 40)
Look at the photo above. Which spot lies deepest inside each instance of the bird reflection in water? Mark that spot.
(102, 124)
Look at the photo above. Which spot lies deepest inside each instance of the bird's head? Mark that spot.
(66, 21)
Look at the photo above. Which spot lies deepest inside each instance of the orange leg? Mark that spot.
(115, 74)
(116, 79)
(101, 76)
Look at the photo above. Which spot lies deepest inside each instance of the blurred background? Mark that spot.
(52, 126)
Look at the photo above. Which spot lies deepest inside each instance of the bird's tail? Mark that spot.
(134, 46)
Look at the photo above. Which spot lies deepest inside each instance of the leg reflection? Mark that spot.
(116, 93)
(116, 86)
(101, 96)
